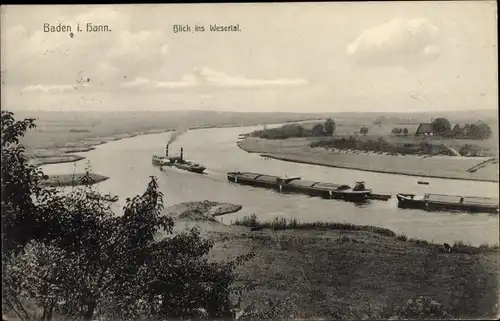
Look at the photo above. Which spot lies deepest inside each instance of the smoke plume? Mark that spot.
(178, 132)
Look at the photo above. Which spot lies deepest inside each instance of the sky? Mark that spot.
(290, 57)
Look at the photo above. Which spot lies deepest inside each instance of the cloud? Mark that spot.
(397, 42)
(31, 56)
(210, 77)
(47, 88)
(207, 78)
(145, 83)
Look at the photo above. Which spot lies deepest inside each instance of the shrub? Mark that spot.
(422, 307)
(402, 237)
(250, 221)
(270, 310)
(282, 223)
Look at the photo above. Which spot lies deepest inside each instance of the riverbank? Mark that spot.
(56, 154)
(298, 151)
(44, 153)
(345, 271)
(201, 210)
(71, 180)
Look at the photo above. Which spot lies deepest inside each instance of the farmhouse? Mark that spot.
(424, 130)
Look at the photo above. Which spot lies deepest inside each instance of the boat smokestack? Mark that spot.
(182, 153)
(166, 150)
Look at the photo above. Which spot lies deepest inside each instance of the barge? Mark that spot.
(440, 202)
(297, 185)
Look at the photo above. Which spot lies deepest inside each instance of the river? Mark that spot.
(128, 164)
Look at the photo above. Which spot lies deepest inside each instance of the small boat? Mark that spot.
(380, 197)
(423, 183)
(107, 197)
(439, 202)
(297, 185)
(190, 166)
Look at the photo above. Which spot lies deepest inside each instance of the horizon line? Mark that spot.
(257, 112)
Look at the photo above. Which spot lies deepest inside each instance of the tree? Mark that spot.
(379, 121)
(480, 130)
(363, 130)
(105, 265)
(466, 130)
(405, 131)
(457, 130)
(317, 130)
(329, 127)
(440, 125)
(396, 131)
(20, 185)
(82, 260)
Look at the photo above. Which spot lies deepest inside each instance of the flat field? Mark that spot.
(348, 274)
(297, 150)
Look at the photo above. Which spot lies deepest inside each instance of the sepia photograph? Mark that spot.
(251, 161)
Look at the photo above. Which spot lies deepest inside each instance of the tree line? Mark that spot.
(478, 130)
(297, 130)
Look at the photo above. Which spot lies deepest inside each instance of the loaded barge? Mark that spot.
(177, 161)
(439, 202)
(296, 185)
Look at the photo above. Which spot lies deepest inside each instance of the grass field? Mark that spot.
(72, 131)
(349, 272)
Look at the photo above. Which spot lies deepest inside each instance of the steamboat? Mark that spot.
(178, 162)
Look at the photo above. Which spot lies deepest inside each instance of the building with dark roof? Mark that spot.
(424, 130)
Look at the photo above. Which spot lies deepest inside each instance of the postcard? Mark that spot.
(253, 161)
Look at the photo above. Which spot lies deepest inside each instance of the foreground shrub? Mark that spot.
(283, 223)
(270, 310)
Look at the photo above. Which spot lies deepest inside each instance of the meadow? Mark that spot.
(299, 150)
(349, 272)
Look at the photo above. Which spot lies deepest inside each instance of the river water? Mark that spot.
(128, 164)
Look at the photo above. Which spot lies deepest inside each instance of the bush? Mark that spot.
(270, 310)
(420, 308)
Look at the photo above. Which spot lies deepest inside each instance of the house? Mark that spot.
(424, 130)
